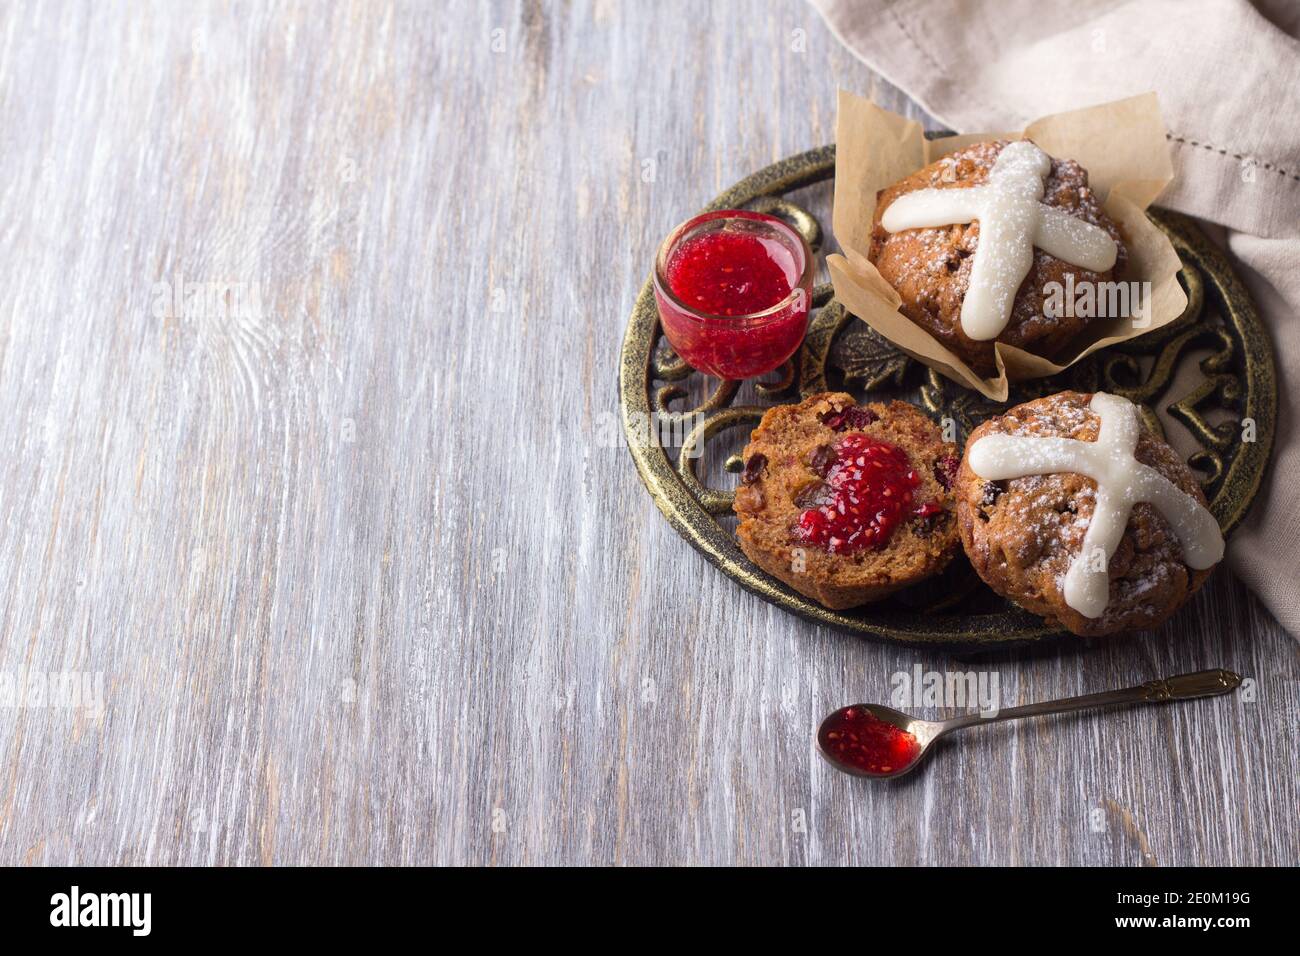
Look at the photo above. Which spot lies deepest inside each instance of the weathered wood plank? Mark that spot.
(361, 580)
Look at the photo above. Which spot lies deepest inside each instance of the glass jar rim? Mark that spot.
(805, 276)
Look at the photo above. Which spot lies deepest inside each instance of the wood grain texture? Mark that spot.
(363, 575)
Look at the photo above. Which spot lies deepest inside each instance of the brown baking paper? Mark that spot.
(1122, 145)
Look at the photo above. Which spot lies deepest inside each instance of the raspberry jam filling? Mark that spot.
(866, 494)
(727, 273)
(859, 738)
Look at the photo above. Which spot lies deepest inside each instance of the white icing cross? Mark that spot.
(1012, 222)
(1122, 481)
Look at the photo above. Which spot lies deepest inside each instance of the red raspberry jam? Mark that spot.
(928, 510)
(730, 273)
(867, 494)
(720, 284)
(856, 737)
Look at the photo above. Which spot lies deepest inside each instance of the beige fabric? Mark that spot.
(1228, 77)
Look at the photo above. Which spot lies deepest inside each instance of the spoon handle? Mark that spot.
(1182, 687)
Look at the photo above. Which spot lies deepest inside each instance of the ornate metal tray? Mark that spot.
(1210, 371)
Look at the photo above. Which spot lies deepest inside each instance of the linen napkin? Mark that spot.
(1227, 73)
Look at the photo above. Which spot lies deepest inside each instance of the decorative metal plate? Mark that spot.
(1219, 339)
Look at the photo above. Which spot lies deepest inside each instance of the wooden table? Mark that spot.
(332, 556)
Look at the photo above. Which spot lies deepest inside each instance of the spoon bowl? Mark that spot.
(875, 751)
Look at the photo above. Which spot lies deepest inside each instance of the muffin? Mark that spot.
(1025, 520)
(847, 503)
(930, 268)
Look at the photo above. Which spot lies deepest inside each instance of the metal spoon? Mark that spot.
(1183, 687)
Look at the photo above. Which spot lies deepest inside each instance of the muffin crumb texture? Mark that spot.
(796, 465)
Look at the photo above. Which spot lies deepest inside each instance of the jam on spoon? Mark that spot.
(857, 737)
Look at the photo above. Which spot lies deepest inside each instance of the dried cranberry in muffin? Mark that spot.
(851, 505)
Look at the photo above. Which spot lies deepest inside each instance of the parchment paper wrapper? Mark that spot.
(1122, 145)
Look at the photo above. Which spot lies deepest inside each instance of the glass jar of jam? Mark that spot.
(733, 289)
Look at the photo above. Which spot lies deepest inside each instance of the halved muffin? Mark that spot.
(847, 503)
